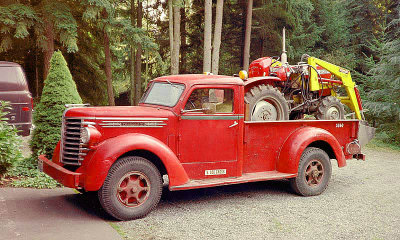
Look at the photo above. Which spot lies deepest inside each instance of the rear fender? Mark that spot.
(291, 151)
(110, 150)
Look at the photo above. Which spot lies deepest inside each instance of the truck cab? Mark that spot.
(195, 129)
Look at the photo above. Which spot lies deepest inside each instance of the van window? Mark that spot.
(12, 79)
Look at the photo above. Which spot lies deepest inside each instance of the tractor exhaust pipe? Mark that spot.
(284, 56)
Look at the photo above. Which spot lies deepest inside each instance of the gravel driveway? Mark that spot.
(361, 202)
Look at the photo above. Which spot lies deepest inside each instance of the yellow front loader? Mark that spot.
(352, 100)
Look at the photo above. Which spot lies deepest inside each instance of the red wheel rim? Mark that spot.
(314, 173)
(133, 189)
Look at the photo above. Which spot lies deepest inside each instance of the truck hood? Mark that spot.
(118, 112)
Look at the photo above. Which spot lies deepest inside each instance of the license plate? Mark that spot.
(215, 172)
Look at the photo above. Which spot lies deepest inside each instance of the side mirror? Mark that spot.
(209, 108)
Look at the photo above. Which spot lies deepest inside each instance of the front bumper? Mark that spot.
(60, 174)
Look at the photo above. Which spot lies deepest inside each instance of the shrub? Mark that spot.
(59, 89)
(9, 141)
(28, 175)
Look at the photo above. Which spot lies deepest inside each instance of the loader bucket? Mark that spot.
(365, 133)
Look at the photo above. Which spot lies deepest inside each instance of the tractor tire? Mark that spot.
(314, 173)
(330, 109)
(132, 188)
(266, 103)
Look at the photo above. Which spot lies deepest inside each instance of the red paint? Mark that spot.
(110, 150)
(290, 153)
(62, 175)
(358, 98)
(191, 144)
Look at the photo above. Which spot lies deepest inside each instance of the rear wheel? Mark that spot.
(314, 172)
(266, 103)
(330, 109)
(132, 188)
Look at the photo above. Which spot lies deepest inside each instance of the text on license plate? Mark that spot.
(215, 172)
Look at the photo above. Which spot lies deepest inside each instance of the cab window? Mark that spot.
(221, 97)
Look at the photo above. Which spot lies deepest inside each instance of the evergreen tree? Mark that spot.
(46, 20)
(333, 44)
(383, 94)
(59, 89)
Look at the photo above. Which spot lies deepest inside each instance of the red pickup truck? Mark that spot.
(197, 130)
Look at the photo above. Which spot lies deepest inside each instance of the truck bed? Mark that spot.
(261, 157)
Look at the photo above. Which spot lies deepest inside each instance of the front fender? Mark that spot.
(291, 151)
(111, 149)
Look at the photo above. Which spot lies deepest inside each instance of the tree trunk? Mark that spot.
(48, 53)
(177, 38)
(207, 35)
(171, 33)
(247, 38)
(138, 65)
(132, 58)
(217, 36)
(36, 73)
(183, 40)
(107, 54)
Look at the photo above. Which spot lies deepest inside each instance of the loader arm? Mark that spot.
(341, 73)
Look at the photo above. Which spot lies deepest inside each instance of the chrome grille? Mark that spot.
(72, 150)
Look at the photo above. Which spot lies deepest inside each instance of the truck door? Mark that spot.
(208, 139)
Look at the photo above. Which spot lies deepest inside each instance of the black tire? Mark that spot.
(314, 173)
(330, 109)
(131, 176)
(272, 98)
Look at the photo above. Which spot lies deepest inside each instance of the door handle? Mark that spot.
(234, 124)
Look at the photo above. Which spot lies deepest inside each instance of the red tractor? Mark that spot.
(308, 89)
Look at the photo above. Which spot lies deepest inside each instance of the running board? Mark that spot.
(245, 178)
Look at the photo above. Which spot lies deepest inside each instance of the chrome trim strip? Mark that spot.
(74, 133)
(77, 105)
(72, 163)
(88, 123)
(75, 144)
(119, 118)
(134, 121)
(132, 126)
(212, 117)
(137, 118)
(306, 121)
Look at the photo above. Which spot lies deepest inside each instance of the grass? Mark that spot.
(119, 230)
(377, 143)
(25, 174)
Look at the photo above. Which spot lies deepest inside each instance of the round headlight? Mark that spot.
(85, 135)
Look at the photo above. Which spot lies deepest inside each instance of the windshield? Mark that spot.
(163, 93)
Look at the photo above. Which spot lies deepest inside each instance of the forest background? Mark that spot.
(114, 47)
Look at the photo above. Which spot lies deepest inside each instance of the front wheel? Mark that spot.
(314, 172)
(132, 188)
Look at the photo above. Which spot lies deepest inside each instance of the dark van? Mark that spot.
(14, 89)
